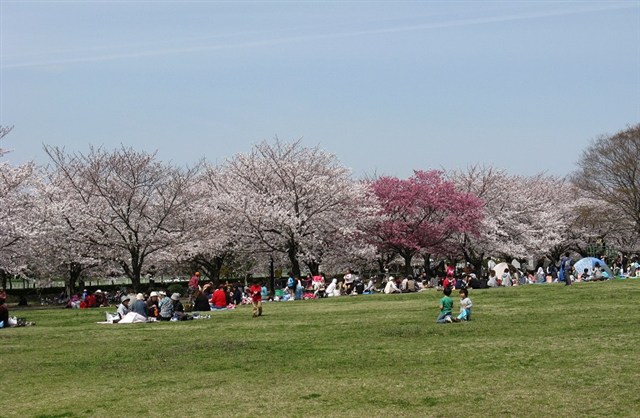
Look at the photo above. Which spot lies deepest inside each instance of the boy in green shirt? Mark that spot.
(446, 306)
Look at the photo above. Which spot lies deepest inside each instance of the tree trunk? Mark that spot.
(272, 277)
(211, 267)
(314, 267)
(75, 269)
(427, 265)
(134, 270)
(475, 260)
(3, 277)
(292, 252)
(408, 256)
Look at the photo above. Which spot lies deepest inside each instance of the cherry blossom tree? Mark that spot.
(65, 243)
(4, 131)
(422, 213)
(17, 220)
(289, 199)
(137, 206)
(523, 215)
(212, 240)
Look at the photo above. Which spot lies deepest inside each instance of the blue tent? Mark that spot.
(588, 263)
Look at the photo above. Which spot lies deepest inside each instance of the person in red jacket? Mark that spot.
(91, 301)
(194, 285)
(256, 299)
(219, 298)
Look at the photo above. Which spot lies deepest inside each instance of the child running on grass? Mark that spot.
(446, 306)
(465, 306)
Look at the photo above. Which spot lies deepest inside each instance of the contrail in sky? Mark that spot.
(305, 38)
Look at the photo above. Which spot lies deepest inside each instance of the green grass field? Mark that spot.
(545, 350)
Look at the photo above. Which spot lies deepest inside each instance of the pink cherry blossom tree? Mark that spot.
(422, 213)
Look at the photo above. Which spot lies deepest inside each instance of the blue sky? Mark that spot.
(387, 86)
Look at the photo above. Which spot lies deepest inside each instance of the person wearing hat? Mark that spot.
(100, 299)
(140, 306)
(178, 308)
(123, 308)
(152, 304)
(166, 307)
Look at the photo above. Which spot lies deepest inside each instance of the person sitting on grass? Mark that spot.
(140, 306)
(178, 308)
(332, 289)
(465, 306)
(123, 308)
(201, 302)
(506, 278)
(152, 305)
(446, 306)
(166, 307)
(219, 298)
(391, 286)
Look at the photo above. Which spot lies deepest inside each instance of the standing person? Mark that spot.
(566, 265)
(256, 299)
(552, 271)
(194, 284)
(446, 306)
(291, 285)
(299, 289)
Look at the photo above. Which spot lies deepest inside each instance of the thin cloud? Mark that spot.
(314, 37)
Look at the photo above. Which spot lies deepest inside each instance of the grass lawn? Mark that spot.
(538, 350)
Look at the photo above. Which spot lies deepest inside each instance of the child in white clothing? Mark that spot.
(465, 306)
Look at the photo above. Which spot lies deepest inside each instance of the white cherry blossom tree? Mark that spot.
(289, 199)
(135, 205)
(524, 215)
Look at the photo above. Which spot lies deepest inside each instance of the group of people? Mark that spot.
(158, 305)
(7, 321)
(446, 307)
(88, 299)
(225, 296)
